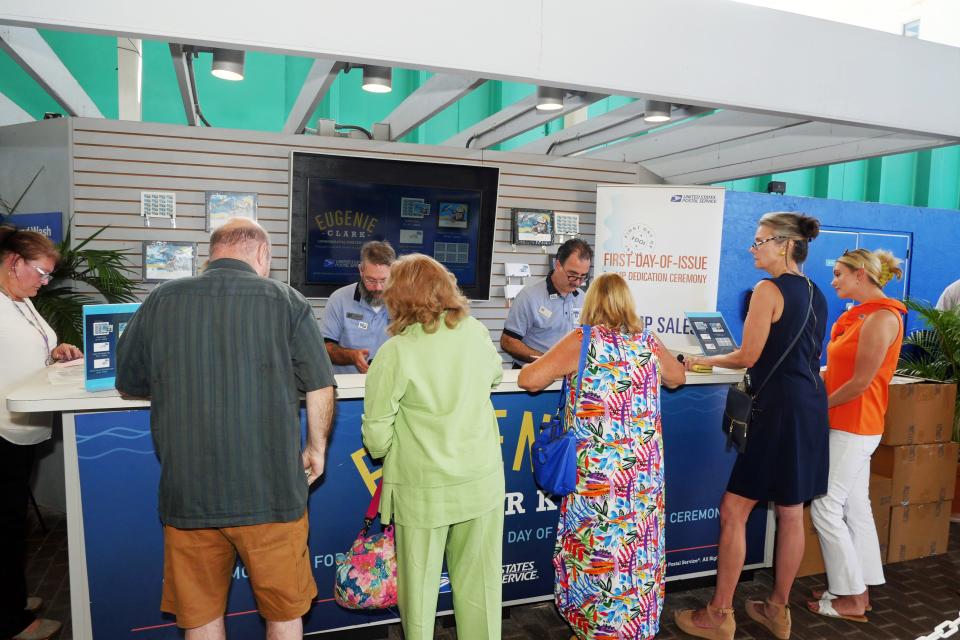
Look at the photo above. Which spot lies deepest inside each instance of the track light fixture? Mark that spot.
(549, 98)
(377, 79)
(656, 111)
(228, 64)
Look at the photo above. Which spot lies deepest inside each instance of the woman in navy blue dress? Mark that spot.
(786, 458)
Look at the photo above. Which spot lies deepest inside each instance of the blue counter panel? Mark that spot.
(119, 474)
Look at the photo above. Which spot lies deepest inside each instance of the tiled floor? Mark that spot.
(918, 595)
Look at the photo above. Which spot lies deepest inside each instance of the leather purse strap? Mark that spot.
(796, 339)
(374, 503)
(584, 348)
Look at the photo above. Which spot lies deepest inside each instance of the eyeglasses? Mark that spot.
(759, 243)
(371, 282)
(45, 276)
(575, 277)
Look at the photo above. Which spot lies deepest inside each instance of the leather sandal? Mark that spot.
(824, 607)
(826, 594)
(39, 629)
(723, 631)
(778, 625)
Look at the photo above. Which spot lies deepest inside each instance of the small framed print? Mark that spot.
(532, 226)
(453, 215)
(223, 205)
(164, 260)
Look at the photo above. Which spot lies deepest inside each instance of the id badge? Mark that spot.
(362, 325)
(546, 313)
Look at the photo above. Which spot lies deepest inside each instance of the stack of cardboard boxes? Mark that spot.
(912, 475)
(917, 455)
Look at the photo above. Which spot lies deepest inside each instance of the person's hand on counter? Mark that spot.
(695, 364)
(359, 357)
(65, 352)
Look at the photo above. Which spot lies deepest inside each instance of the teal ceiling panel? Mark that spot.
(16, 84)
(92, 60)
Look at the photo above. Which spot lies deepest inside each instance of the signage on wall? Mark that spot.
(47, 224)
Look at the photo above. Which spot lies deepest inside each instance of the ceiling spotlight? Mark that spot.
(377, 79)
(549, 98)
(656, 111)
(228, 64)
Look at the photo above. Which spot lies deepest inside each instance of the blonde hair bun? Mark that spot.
(889, 267)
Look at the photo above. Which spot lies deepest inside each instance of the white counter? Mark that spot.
(68, 394)
(59, 389)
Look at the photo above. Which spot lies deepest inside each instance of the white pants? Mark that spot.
(844, 520)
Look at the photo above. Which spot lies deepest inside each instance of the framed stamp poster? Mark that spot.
(532, 226)
(163, 260)
(223, 205)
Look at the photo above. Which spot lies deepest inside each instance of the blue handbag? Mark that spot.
(554, 451)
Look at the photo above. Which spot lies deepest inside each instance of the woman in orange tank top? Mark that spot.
(861, 358)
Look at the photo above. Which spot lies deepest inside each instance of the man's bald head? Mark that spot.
(242, 239)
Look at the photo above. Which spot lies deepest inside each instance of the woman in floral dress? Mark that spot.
(609, 554)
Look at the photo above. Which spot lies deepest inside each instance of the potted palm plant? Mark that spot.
(84, 276)
(934, 353)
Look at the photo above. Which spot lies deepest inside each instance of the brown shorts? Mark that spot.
(198, 565)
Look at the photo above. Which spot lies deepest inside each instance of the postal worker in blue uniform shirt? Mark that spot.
(546, 310)
(355, 319)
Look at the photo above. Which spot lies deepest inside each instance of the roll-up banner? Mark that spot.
(665, 241)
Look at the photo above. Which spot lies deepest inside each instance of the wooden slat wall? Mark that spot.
(113, 161)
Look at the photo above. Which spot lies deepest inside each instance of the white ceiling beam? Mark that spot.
(493, 121)
(584, 136)
(626, 113)
(886, 143)
(692, 134)
(11, 112)
(429, 99)
(182, 71)
(28, 49)
(518, 118)
(315, 87)
(780, 142)
(784, 63)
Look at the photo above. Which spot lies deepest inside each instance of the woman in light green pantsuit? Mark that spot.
(428, 413)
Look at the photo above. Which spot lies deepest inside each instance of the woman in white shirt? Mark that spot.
(28, 344)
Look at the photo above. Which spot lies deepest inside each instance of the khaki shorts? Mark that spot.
(198, 565)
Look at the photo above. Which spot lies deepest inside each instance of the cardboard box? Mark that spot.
(880, 501)
(919, 411)
(919, 530)
(920, 473)
(812, 562)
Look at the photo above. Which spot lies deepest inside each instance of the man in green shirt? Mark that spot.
(224, 357)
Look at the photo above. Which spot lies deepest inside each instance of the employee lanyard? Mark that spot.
(36, 324)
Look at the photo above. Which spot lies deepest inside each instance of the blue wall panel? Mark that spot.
(936, 236)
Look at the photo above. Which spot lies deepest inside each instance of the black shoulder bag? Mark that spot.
(740, 399)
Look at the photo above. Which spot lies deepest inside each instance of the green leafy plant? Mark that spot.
(103, 270)
(934, 352)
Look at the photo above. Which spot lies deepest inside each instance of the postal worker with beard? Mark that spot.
(355, 319)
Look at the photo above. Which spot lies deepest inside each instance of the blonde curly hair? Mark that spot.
(881, 266)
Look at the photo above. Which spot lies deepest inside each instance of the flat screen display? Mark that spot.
(445, 211)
